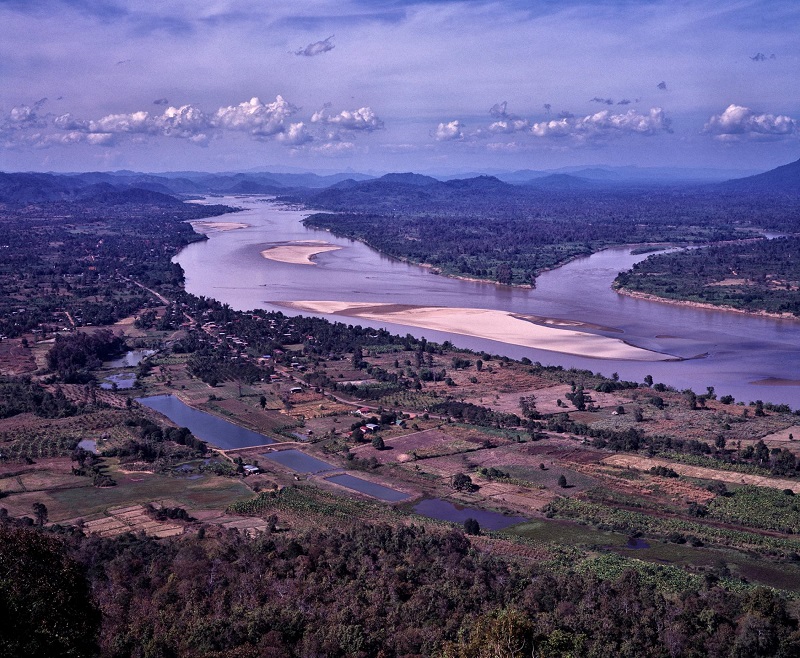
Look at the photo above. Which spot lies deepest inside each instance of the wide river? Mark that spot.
(745, 356)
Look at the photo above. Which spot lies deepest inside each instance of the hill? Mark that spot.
(781, 180)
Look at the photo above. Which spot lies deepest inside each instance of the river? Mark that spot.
(748, 357)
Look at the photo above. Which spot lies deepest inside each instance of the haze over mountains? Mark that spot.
(118, 186)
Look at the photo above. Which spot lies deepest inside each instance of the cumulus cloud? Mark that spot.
(605, 124)
(275, 120)
(363, 119)
(160, 101)
(296, 134)
(316, 48)
(449, 132)
(604, 101)
(740, 123)
(24, 116)
(506, 122)
(260, 120)
(662, 86)
(624, 101)
(761, 57)
(547, 107)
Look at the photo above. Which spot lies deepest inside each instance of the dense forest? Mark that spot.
(487, 229)
(752, 276)
(357, 590)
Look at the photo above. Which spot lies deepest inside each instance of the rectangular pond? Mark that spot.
(436, 508)
(299, 461)
(215, 431)
(370, 488)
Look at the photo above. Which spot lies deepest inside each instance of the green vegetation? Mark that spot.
(761, 275)
(483, 228)
(758, 507)
(679, 530)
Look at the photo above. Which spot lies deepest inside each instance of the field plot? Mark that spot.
(132, 518)
(788, 438)
(264, 421)
(15, 359)
(701, 473)
(424, 445)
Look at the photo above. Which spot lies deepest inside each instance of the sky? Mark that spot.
(397, 85)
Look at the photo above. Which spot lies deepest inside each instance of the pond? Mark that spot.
(90, 445)
(123, 380)
(443, 510)
(211, 429)
(370, 488)
(130, 359)
(299, 461)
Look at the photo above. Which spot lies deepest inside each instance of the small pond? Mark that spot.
(213, 430)
(636, 543)
(436, 508)
(90, 445)
(370, 488)
(130, 359)
(299, 461)
(123, 380)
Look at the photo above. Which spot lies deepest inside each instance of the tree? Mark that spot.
(462, 482)
(45, 598)
(377, 443)
(262, 401)
(472, 527)
(562, 481)
(40, 512)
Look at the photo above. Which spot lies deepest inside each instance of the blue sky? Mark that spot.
(397, 85)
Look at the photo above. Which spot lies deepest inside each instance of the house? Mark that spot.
(363, 411)
(372, 427)
(296, 389)
(249, 469)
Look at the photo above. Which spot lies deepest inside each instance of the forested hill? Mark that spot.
(782, 180)
(484, 228)
(359, 590)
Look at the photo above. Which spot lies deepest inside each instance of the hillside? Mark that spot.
(781, 180)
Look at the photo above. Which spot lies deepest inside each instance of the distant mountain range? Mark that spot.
(119, 186)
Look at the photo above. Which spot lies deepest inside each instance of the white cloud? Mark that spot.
(256, 118)
(449, 132)
(738, 122)
(605, 124)
(363, 119)
(506, 122)
(296, 135)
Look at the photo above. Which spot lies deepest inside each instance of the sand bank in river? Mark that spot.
(203, 226)
(298, 253)
(503, 326)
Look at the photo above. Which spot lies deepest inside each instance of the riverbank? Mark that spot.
(635, 294)
(503, 326)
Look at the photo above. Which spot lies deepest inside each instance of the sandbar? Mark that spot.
(203, 226)
(502, 326)
(298, 253)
